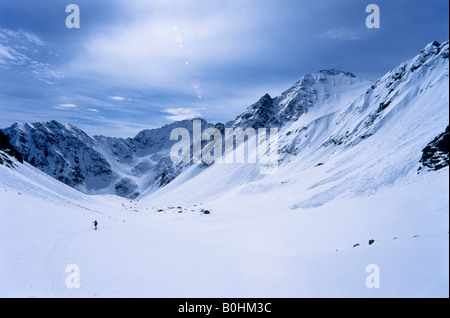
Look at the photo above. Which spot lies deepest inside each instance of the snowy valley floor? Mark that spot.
(251, 245)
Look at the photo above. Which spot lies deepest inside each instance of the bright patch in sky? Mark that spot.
(117, 98)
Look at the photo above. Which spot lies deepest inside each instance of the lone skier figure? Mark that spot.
(95, 224)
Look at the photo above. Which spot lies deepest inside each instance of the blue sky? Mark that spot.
(139, 64)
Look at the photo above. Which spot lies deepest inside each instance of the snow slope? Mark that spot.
(251, 245)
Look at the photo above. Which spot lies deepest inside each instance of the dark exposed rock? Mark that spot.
(435, 154)
(125, 186)
(7, 148)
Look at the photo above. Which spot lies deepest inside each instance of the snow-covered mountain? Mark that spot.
(331, 87)
(346, 143)
(98, 164)
(322, 115)
(362, 182)
(127, 167)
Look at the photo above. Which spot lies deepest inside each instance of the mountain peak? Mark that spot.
(266, 97)
(257, 115)
(335, 72)
(431, 46)
(431, 55)
(306, 92)
(52, 124)
(432, 49)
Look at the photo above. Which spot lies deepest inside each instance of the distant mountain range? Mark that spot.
(404, 113)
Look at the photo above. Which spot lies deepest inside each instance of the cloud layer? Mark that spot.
(182, 113)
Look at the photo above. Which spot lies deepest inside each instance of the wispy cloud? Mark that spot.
(21, 36)
(182, 113)
(66, 106)
(10, 56)
(92, 110)
(117, 98)
(21, 48)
